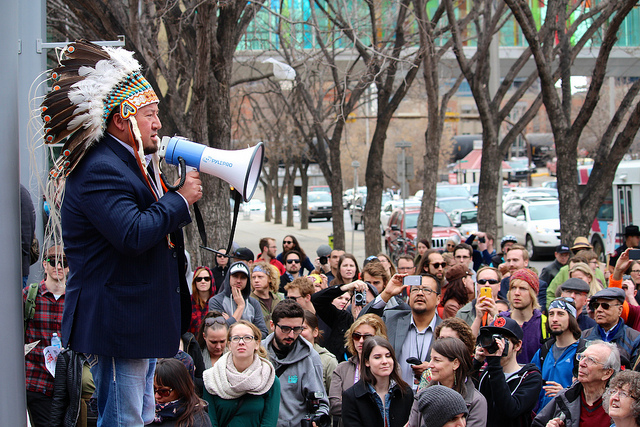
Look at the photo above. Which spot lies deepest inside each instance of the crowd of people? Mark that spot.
(481, 339)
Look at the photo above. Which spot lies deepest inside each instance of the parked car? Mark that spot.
(357, 208)
(450, 204)
(319, 205)
(447, 190)
(466, 220)
(348, 196)
(254, 205)
(389, 206)
(443, 229)
(296, 203)
(536, 224)
(520, 169)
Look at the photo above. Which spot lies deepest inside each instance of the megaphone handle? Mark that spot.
(236, 209)
(182, 170)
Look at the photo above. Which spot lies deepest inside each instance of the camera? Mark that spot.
(489, 342)
(323, 260)
(313, 406)
(482, 239)
(360, 298)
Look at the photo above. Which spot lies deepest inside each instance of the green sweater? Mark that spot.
(256, 411)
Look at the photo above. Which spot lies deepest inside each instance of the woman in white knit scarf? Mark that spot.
(242, 388)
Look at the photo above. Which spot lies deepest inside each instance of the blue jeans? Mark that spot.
(124, 390)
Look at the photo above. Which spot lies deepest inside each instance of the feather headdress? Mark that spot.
(88, 84)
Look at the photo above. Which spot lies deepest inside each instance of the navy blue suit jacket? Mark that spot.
(123, 295)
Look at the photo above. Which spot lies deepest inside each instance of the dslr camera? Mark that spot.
(313, 406)
(489, 342)
(323, 260)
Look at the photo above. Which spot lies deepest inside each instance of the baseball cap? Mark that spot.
(563, 249)
(244, 254)
(239, 267)
(505, 326)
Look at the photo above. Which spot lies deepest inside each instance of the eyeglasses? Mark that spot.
(287, 329)
(212, 320)
(605, 305)
(245, 339)
(635, 271)
(53, 262)
(424, 290)
(405, 268)
(621, 393)
(489, 281)
(162, 392)
(293, 261)
(203, 279)
(287, 242)
(439, 264)
(356, 336)
(589, 360)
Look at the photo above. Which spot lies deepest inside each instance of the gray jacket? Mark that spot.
(300, 374)
(224, 303)
(566, 402)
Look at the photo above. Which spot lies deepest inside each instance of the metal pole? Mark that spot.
(355, 164)
(12, 377)
(404, 194)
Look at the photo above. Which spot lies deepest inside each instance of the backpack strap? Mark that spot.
(543, 327)
(30, 304)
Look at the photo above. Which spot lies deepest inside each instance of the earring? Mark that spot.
(455, 381)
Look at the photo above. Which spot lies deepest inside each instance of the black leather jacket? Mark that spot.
(67, 389)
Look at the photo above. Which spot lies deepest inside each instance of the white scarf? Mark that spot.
(224, 380)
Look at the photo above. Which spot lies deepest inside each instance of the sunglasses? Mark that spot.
(162, 392)
(489, 281)
(287, 329)
(287, 242)
(213, 320)
(53, 262)
(203, 279)
(605, 305)
(356, 336)
(439, 264)
(293, 261)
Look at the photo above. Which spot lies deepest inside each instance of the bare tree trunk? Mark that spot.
(304, 211)
(290, 187)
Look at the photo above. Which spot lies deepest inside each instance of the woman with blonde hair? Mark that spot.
(265, 281)
(580, 270)
(347, 373)
(242, 389)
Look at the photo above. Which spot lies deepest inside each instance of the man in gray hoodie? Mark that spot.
(234, 301)
(297, 365)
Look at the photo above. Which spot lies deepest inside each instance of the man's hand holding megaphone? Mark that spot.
(192, 188)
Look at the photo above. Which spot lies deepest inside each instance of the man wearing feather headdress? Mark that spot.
(126, 296)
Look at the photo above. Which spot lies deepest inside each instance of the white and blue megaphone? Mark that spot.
(240, 168)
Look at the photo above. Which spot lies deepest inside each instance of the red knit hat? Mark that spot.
(528, 276)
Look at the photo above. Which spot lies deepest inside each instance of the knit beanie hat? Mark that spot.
(439, 404)
(528, 276)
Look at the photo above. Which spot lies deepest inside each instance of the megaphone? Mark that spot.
(240, 168)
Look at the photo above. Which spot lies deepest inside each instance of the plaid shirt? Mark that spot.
(46, 320)
(197, 314)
